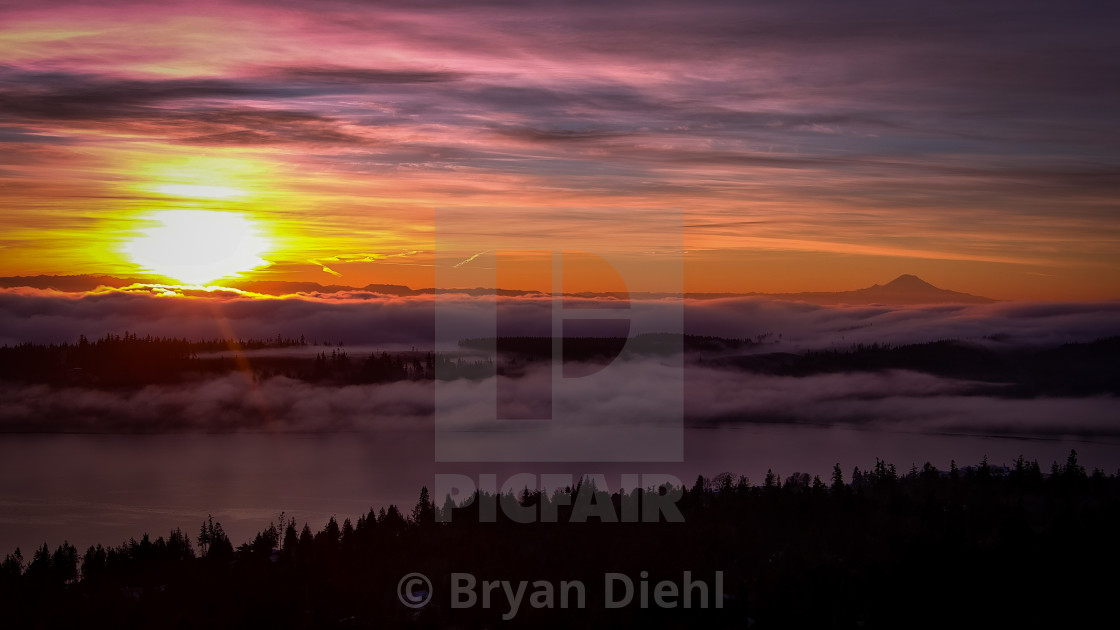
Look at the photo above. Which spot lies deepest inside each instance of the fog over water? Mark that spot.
(107, 488)
(90, 464)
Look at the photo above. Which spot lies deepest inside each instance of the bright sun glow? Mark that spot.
(200, 192)
(198, 246)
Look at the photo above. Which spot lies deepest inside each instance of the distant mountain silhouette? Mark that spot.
(281, 287)
(72, 284)
(905, 289)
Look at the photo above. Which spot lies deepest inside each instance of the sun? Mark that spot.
(198, 246)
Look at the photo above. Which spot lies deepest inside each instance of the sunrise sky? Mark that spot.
(777, 147)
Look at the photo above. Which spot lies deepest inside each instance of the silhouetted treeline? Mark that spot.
(341, 368)
(1076, 369)
(124, 360)
(515, 354)
(924, 548)
(129, 361)
(1081, 369)
(593, 348)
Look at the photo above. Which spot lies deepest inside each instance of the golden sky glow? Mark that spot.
(373, 144)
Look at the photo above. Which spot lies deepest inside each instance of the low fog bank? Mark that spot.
(28, 315)
(892, 400)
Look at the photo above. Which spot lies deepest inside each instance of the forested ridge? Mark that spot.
(128, 361)
(877, 548)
